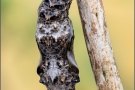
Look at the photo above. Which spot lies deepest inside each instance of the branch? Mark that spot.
(54, 35)
(98, 45)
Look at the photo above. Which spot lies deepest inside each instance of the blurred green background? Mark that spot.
(20, 54)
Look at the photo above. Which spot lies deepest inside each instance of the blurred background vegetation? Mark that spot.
(20, 54)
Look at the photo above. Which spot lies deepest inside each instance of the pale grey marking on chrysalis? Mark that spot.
(71, 30)
(40, 60)
(71, 58)
(59, 33)
(53, 70)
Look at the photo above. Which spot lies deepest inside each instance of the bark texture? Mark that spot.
(98, 45)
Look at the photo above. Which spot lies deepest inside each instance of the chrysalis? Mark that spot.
(57, 67)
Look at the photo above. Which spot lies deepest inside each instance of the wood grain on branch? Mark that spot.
(98, 45)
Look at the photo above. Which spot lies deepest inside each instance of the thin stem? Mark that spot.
(98, 45)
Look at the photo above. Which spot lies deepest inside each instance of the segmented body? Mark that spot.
(57, 67)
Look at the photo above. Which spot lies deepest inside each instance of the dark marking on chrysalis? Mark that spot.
(57, 67)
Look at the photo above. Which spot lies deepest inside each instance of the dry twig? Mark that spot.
(98, 45)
